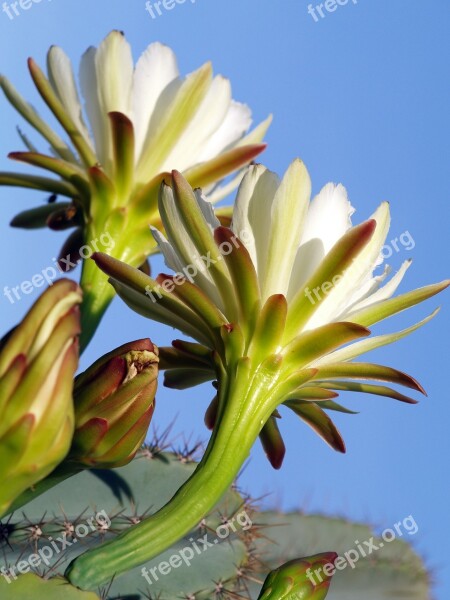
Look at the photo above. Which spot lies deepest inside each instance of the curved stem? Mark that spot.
(244, 413)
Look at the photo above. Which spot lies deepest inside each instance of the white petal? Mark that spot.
(288, 215)
(340, 295)
(187, 253)
(170, 256)
(252, 212)
(207, 210)
(216, 193)
(114, 79)
(176, 107)
(114, 64)
(155, 70)
(369, 287)
(62, 79)
(329, 217)
(257, 135)
(208, 118)
(385, 292)
(89, 89)
(235, 123)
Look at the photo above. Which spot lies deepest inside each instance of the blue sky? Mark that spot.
(362, 97)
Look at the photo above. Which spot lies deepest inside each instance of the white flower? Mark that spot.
(178, 122)
(136, 123)
(288, 237)
(283, 298)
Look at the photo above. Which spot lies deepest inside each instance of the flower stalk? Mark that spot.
(243, 411)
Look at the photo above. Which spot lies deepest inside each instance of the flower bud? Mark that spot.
(300, 579)
(114, 403)
(38, 360)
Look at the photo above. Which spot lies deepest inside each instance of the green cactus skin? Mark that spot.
(32, 587)
(228, 449)
(126, 495)
(225, 571)
(394, 571)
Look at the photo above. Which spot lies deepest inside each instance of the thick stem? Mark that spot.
(97, 296)
(97, 291)
(230, 444)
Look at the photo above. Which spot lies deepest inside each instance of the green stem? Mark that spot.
(243, 415)
(97, 296)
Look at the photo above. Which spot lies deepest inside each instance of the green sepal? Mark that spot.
(29, 114)
(207, 173)
(386, 308)
(123, 151)
(132, 285)
(272, 443)
(367, 371)
(366, 388)
(33, 182)
(319, 421)
(53, 102)
(194, 297)
(336, 407)
(243, 276)
(14, 444)
(52, 303)
(66, 170)
(184, 378)
(308, 346)
(36, 218)
(269, 328)
(201, 235)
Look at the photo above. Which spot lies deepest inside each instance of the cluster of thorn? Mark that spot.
(22, 535)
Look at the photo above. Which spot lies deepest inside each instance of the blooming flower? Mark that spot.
(37, 364)
(294, 276)
(141, 121)
(247, 294)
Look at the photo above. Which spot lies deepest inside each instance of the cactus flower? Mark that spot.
(37, 363)
(114, 403)
(141, 121)
(244, 293)
(293, 581)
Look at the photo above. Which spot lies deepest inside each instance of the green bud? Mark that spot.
(114, 403)
(38, 360)
(300, 579)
